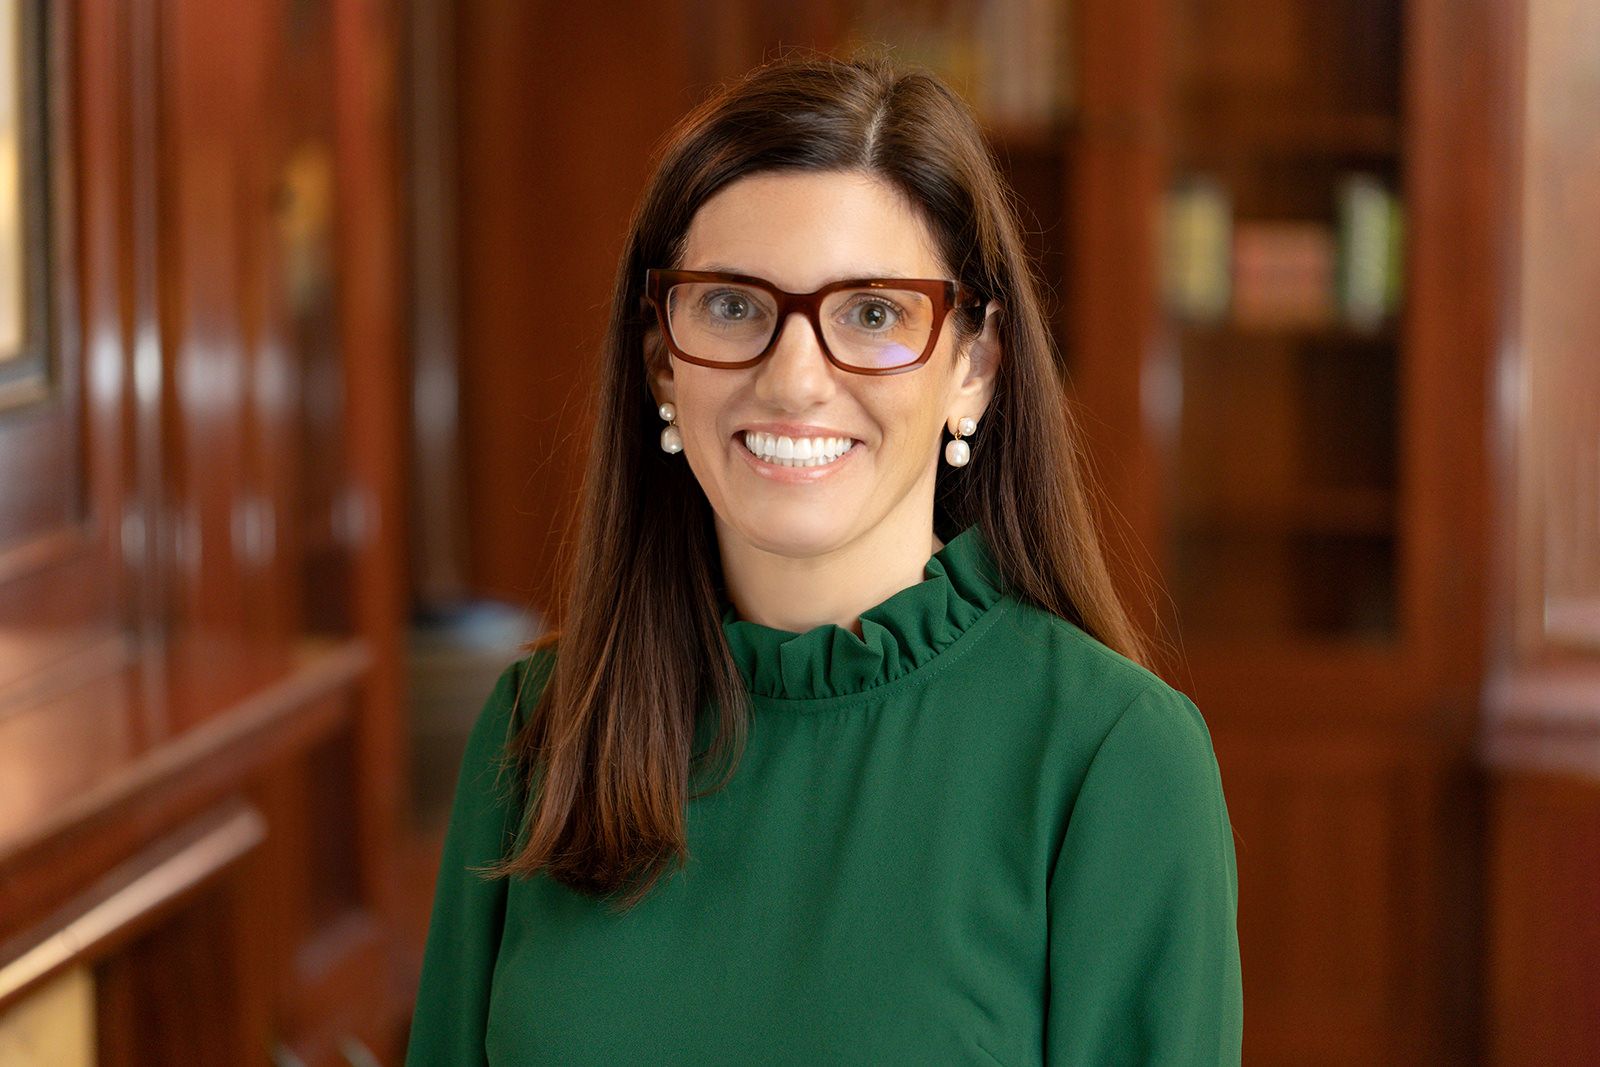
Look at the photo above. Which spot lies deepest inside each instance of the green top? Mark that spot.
(972, 835)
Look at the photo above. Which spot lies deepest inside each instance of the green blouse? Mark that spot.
(972, 835)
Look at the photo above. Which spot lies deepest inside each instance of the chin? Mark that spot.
(796, 536)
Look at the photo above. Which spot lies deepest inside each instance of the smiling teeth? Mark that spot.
(796, 451)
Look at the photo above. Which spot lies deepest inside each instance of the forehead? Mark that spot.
(803, 229)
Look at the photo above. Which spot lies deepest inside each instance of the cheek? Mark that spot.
(701, 401)
(919, 411)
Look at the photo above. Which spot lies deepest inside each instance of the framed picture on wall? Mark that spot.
(25, 240)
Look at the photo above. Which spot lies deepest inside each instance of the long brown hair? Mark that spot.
(609, 753)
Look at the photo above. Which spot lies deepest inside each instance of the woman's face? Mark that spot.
(801, 230)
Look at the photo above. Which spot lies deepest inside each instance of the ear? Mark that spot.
(658, 366)
(984, 353)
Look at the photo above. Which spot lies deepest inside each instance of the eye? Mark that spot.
(872, 313)
(730, 306)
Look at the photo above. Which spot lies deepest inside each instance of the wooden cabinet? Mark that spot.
(1306, 464)
(1283, 270)
(199, 562)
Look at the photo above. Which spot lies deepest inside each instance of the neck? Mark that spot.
(801, 593)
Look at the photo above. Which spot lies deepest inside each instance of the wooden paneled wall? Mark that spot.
(1542, 730)
(555, 144)
(1544, 940)
(200, 566)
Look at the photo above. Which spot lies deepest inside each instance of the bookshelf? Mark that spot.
(1283, 264)
(1283, 251)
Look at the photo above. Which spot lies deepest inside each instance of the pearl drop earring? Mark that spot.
(671, 436)
(957, 451)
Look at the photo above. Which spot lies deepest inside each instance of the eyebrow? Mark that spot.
(863, 275)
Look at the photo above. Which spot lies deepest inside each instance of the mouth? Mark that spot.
(796, 451)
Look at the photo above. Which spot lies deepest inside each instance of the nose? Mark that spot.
(796, 375)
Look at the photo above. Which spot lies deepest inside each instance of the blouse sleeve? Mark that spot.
(1144, 951)
(452, 1008)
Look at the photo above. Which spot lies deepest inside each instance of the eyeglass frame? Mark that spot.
(947, 296)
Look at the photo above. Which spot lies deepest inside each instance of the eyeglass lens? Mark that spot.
(875, 329)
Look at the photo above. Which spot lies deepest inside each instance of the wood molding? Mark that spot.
(218, 749)
(131, 896)
(1545, 721)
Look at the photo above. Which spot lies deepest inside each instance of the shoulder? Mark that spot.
(487, 765)
(1032, 644)
(1133, 753)
(510, 703)
(522, 684)
(1071, 694)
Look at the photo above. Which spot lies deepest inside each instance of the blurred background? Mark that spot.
(298, 306)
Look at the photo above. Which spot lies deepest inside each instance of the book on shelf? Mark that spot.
(1283, 274)
(1197, 252)
(1012, 59)
(1371, 251)
(1023, 79)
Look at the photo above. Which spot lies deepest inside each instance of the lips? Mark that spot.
(786, 451)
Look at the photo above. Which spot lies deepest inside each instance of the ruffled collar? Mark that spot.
(898, 636)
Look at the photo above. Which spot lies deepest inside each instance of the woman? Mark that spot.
(805, 783)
